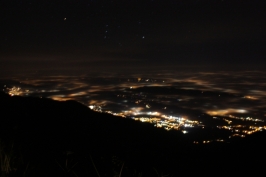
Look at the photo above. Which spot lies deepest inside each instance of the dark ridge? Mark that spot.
(40, 135)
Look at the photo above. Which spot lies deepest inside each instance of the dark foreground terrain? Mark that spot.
(42, 137)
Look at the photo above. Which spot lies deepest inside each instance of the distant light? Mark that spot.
(241, 111)
(64, 19)
(184, 131)
(91, 106)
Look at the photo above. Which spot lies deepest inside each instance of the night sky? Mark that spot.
(86, 35)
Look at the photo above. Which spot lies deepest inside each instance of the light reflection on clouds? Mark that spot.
(247, 89)
(225, 112)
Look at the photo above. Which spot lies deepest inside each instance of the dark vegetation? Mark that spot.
(42, 137)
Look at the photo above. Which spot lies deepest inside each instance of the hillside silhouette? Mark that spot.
(43, 137)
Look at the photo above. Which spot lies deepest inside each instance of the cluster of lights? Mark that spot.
(16, 91)
(246, 118)
(169, 122)
(97, 108)
(208, 141)
(160, 121)
(243, 129)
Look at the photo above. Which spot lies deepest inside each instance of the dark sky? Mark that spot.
(89, 34)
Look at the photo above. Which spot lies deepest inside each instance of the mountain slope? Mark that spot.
(44, 135)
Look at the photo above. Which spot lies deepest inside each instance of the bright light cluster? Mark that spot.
(242, 130)
(16, 91)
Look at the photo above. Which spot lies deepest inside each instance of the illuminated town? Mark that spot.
(184, 125)
(159, 102)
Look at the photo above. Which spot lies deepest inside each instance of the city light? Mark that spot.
(182, 107)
